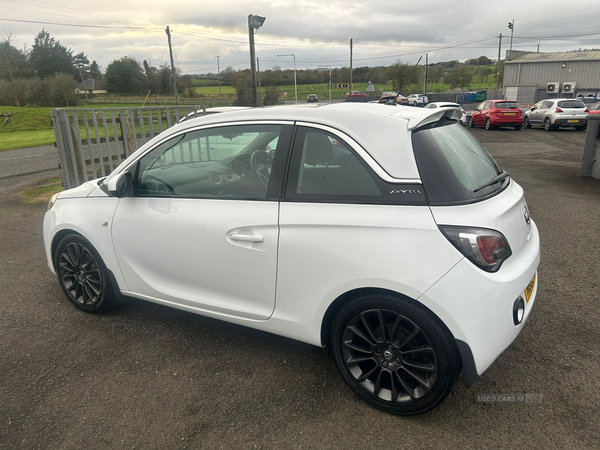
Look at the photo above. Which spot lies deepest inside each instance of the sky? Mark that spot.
(317, 32)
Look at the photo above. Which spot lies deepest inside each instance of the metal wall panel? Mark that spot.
(585, 73)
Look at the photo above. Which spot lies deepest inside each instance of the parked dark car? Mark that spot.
(312, 98)
(497, 113)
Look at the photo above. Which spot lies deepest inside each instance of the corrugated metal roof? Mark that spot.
(557, 57)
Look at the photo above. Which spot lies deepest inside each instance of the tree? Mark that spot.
(227, 75)
(48, 57)
(62, 89)
(125, 75)
(483, 73)
(95, 71)
(82, 64)
(403, 75)
(13, 62)
(435, 73)
(459, 76)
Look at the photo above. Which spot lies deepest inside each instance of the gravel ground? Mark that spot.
(145, 376)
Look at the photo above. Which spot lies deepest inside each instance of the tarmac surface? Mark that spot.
(145, 376)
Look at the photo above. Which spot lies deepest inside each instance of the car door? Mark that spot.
(201, 228)
(542, 111)
(476, 115)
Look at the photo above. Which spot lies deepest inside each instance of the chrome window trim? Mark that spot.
(362, 153)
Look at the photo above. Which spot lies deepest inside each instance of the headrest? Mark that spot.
(318, 149)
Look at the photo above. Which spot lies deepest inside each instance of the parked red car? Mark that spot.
(356, 94)
(497, 113)
(595, 108)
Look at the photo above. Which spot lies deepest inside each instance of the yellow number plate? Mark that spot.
(529, 289)
(573, 120)
(509, 114)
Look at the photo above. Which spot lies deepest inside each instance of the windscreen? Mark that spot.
(453, 164)
(507, 105)
(571, 104)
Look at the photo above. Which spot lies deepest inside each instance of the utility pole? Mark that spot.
(350, 85)
(426, 64)
(498, 61)
(258, 76)
(538, 46)
(252, 61)
(219, 74)
(174, 74)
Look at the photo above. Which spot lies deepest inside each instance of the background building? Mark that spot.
(530, 77)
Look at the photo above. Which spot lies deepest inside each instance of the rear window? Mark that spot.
(453, 164)
(571, 104)
(507, 105)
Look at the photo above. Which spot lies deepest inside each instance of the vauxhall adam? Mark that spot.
(387, 234)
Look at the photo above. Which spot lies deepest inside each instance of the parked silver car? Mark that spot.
(557, 113)
(417, 99)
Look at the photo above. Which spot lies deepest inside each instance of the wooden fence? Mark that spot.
(92, 142)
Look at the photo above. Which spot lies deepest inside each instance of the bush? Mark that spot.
(271, 96)
(57, 90)
(243, 93)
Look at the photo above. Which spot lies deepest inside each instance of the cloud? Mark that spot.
(317, 32)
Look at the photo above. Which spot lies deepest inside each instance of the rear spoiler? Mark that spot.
(425, 116)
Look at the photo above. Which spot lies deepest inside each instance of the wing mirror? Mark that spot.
(121, 185)
(532, 108)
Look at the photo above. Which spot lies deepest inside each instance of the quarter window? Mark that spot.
(223, 162)
(324, 166)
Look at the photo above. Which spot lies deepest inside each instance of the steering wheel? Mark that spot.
(158, 185)
(262, 162)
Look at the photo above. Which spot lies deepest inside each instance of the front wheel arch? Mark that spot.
(58, 237)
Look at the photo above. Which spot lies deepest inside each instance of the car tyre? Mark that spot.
(547, 125)
(526, 123)
(82, 275)
(470, 122)
(518, 127)
(394, 354)
(488, 125)
(579, 128)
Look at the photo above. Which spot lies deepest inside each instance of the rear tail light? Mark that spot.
(587, 110)
(558, 110)
(485, 248)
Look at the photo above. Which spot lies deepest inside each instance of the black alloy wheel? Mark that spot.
(395, 355)
(82, 275)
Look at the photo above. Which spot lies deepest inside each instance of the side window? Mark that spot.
(487, 105)
(546, 105)
(323, 166)
(223, 162)
(480, 107)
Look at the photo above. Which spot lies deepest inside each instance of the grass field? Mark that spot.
(32, 126)
(322, 90)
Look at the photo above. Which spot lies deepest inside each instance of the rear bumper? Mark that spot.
(477, 306)
(569, 121)
(506, 121)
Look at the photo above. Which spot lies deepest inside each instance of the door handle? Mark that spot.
(246, 237)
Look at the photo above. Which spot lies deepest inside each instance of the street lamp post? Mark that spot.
(295, 84)
(511, 26)
(254, 23)
(329, 81)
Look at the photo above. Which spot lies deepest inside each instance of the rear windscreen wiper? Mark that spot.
(494, 180)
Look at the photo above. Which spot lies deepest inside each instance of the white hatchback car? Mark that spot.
(463, 117)
(409, 258)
